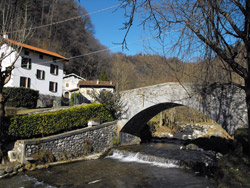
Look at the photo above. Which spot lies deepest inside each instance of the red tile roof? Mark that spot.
(36, 49)
(96, 83)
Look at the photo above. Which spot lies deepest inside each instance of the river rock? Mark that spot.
(191, 147)
(2, 172)
(9, 169)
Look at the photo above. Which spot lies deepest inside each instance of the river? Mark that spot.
(143, 166)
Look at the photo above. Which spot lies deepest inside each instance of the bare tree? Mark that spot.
(13, 26)
(218, 28)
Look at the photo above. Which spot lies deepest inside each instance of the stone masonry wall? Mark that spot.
(72, 144)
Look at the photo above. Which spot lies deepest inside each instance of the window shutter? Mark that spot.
(29, 60)
(29, 82)
(51, 68)
(43, 75)
(22, 82)
(56, 87)
(37, 73)
(50, 86)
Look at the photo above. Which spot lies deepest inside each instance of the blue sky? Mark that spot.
(108, 26)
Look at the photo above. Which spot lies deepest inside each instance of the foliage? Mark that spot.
(111, 102)
(103, 76)
(43, 157)
(21, 97)
(88, 148)
(116, 141)
(71, 38)
(233, 171)
(29, 126)
(74, 98)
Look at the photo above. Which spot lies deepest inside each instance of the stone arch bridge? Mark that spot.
(225, 105)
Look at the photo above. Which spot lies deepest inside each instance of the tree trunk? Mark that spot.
(2, 111)
(247, 91)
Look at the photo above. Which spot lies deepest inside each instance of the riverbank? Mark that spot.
(12, 169)
(233, 171)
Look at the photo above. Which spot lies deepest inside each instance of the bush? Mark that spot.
(21, 97)
(76, 98)
(111, 102)
(44, 124)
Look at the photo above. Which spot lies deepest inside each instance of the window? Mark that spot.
(67, 84)
(40, 56)
(66, 95)
(53, 87)
(25, 82)
(40, 74)
(54, 69)
(26, 52)
(26, 63)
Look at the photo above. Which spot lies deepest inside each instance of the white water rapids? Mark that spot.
(125, 156)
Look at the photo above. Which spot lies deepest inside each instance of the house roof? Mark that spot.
(95, 83)
(72, 90)
(74, 75)
(33, 48)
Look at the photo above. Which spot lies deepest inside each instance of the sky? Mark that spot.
(108, 24)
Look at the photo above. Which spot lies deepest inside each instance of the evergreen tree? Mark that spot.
(103, 76)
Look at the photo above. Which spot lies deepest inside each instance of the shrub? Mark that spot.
(28, 126)
(76, 98)
(111, 102)
(21, 97)
(43, 157)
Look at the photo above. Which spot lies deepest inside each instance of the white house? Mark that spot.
(35, 68)
(86, 87)
(70, 82)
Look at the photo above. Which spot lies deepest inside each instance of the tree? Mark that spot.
(14, 20)
(103, 76)
(110, 101)
(72, 35)
(216, 27)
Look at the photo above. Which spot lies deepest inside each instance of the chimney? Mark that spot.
(111, 82)
(97, 82)
(5, 36)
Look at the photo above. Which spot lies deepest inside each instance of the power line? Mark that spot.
(69, 19)
(118, 46)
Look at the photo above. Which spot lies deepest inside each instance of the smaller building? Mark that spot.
(70, 82)
(87, 87)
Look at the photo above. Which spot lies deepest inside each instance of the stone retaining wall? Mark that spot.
(68, 145)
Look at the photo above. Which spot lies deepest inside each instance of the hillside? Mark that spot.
(74, 38)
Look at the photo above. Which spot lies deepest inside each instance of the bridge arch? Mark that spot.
(226, 106)
(136, 123)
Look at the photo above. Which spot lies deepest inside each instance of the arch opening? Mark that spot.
(138, 124)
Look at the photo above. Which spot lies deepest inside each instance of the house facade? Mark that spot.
(70, 82)
(35, 68)
(87, 87)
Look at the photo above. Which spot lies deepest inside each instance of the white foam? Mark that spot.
(36, 182)
(146, 159)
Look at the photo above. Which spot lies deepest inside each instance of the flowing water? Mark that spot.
(139, 166)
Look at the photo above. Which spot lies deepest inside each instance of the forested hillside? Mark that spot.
(71, 38)
(75, 38)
